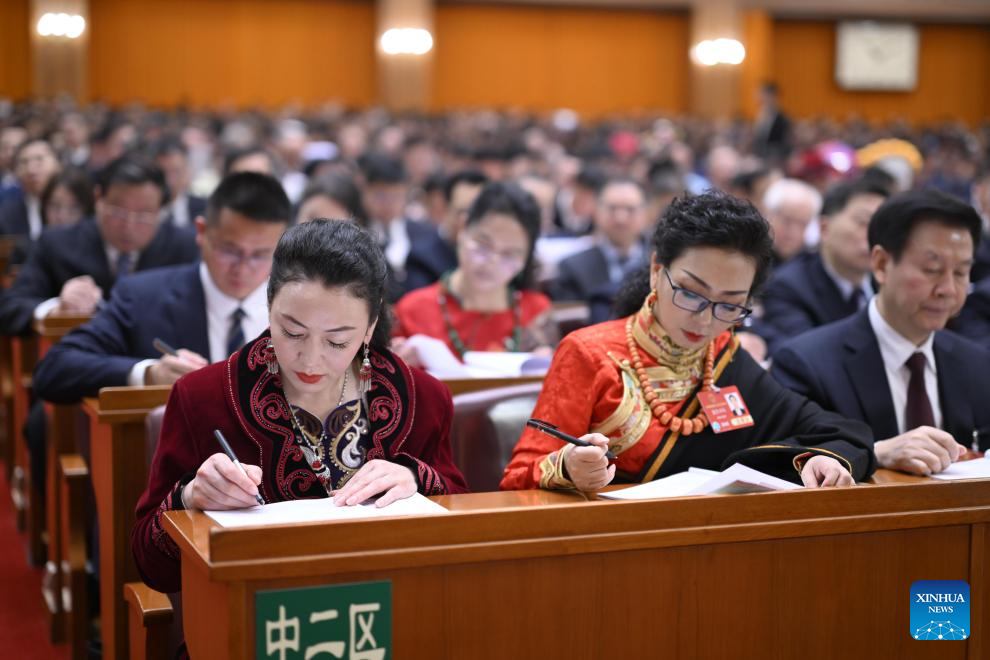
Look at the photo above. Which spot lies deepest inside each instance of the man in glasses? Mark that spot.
(205, 310)
(921, 388)
(72, 269)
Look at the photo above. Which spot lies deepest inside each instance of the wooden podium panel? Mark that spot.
(810, 574)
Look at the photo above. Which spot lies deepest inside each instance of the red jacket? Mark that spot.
(409, 413)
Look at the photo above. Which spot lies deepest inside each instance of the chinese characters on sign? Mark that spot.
(349, 621)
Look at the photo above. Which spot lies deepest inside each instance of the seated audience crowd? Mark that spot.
(277, 269)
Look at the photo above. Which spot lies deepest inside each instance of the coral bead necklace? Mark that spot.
(659, 408)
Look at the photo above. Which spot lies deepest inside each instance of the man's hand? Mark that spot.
(924, 450)
(80, 295)
(171, 368)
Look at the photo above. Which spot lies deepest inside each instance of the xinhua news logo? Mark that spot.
(940, 610)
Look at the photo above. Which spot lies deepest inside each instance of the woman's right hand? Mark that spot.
(219, 484)
(587, 467)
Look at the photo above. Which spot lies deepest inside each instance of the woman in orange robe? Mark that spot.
(631, 385)
(483, 304)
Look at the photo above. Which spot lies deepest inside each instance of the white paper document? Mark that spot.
(437, 359)
(978, 468)
(736, 479)
(322, 510)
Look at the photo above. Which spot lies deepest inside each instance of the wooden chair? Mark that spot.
(485, 429)
(62, 439)
(24, 355)
(118, 455)
(74, 496)
(570, 316)
(152, 626)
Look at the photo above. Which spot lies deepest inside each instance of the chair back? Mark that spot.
(152, 428)
(486, 427)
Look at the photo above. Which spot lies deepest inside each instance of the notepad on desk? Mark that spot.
(696, 481)
(323, 510)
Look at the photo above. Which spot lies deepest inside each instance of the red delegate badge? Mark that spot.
(725, 409)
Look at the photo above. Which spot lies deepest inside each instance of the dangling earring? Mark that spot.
(364, 375)
(650, 299)
(271, 359)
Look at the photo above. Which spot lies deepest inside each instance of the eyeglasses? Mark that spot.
(121, 215)
(697, 303)
(230, 257)
(628, 209)
(480, 252)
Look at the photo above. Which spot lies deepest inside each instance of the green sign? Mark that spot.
(352, 621)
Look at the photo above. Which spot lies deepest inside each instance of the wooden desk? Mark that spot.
(119, 473)
(810, 574)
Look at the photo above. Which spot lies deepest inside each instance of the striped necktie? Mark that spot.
(235, 335)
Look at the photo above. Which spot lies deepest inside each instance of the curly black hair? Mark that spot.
(711, 219)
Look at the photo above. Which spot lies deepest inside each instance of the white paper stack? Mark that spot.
(736, 479)
(437, 359)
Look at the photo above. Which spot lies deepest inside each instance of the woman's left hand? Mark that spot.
(374, 478)
(823, 471)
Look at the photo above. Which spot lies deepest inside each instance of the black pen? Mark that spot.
(230, 454)
(550, 429)
(162, 347)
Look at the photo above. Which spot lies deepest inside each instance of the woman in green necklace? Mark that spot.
(482, 305)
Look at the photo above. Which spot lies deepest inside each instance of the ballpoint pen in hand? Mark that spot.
(550, 429)
(230, 454)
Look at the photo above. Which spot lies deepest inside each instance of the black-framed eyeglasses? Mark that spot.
(696, 303)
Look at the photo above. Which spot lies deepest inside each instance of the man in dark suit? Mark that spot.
(814, 289)
(206, 310)
(385, 191)
(172, 157)
(620, 221)
(980, 196)
(35, 163)
(435, 253)
(922, 389)
(974, 320)
(772, 128)
(72, 269)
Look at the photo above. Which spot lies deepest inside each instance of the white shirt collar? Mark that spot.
(35, 223)
(845, 286)
(895, 348)
(113, 254)
(255, 304)
(220, 307)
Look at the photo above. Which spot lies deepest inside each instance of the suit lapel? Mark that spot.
(954, 400)
(864, 365)
(98, 266)
(186, 310)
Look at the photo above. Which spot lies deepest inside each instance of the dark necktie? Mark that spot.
(918, 411)
(235, 335)
(125, 263)
(858, 299)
